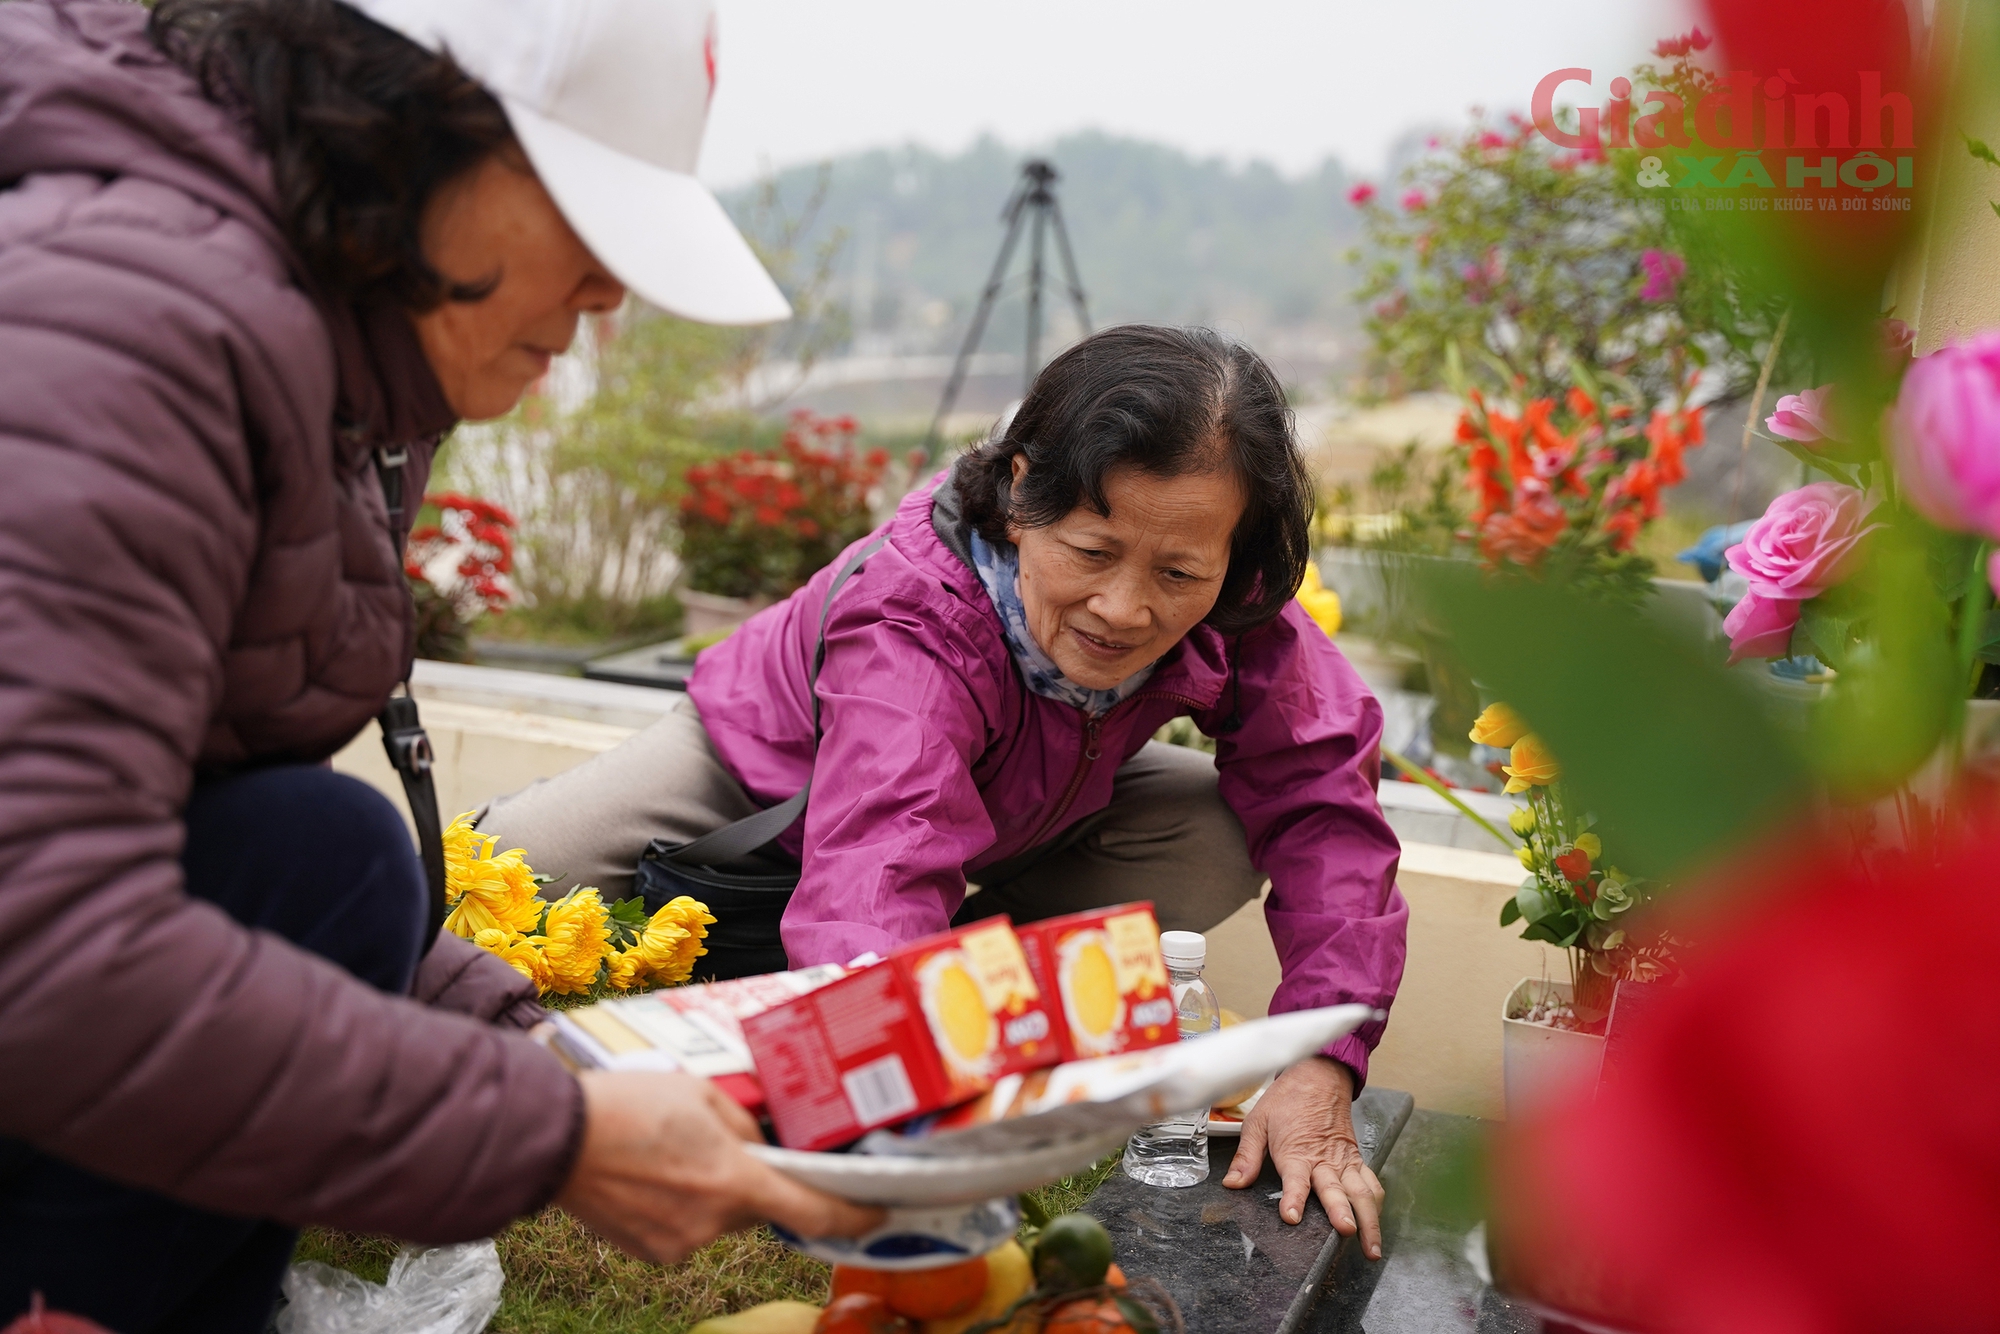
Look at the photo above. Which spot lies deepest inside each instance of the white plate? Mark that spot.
(869, 1179)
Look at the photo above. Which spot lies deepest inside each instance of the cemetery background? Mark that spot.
(619, 435)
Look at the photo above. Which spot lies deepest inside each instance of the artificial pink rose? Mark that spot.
(1361, 195)
(1760, 627)
(1944, 436)
(1808, 541)
(1806, 418)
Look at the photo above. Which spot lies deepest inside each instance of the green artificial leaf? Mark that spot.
(1829, 634)
(1674, 755)
(1978, 149)
(1532, 902)
(1989, 637)
(1899, 692)
(1510, 912)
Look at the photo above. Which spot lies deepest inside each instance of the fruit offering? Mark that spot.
(1062, 1282)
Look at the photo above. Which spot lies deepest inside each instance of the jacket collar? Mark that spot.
(388, 394)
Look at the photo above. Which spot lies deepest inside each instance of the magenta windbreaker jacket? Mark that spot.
(936, 761)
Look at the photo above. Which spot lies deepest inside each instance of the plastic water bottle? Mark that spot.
(1174, 1152)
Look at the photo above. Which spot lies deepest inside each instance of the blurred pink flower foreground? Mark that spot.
(1808, 541)
(1944, 436)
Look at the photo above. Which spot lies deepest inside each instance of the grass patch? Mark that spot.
(562, 1279)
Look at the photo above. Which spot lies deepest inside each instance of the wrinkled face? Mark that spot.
(1108, 594)
(497, 221)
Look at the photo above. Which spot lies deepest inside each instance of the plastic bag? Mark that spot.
(431, 1290)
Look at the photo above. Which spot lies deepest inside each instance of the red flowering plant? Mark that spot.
(759, 524)
(1563, 487)
(458, 562)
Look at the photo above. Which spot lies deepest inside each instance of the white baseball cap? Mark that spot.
(608, 99)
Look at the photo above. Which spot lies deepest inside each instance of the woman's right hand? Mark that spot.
(662, 1171)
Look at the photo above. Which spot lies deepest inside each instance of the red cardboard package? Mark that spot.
(932, 1025)
(1105, 980)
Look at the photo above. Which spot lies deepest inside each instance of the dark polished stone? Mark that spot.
(1232, 1264)
(1226, 1257)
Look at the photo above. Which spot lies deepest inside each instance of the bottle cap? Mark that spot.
(1183, 949)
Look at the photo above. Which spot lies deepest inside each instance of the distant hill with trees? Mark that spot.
(1159, 235)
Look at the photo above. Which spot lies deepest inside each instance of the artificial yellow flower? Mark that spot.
(1499, 726)
(521, 952)
(672, 940)
(1592, 845)
(1531, 765)
(1320, 602)
(486, 891)
(578, 936)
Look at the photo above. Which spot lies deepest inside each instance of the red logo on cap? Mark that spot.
(708, 55)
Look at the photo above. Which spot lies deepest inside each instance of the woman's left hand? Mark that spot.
(1306, 1121)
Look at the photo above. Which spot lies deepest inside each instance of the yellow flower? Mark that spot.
(1527, 858)
(1521, 820)
(1320, 602)
(578, 936)
(1499, 725)
(486, 891)
(672, 940)
(624, 969)
(1532, 765)
(1592, 846)
(520, 951)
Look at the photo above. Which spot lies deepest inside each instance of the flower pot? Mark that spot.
(1542, 1063)
(705, 613)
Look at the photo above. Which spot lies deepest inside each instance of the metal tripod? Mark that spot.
(1034, 194)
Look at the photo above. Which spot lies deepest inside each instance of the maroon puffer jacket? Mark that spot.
(195, 574)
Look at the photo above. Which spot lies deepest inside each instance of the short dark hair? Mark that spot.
(361, 125)
(1170, 402)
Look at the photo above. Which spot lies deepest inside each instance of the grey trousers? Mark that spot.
(1166, 836)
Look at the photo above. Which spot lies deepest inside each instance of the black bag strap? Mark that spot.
(403, 734)
(735, 841)
(409, 748)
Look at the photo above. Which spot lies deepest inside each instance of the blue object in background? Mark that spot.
(1706, 554)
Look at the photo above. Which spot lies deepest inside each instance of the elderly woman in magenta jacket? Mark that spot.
(1124, 554)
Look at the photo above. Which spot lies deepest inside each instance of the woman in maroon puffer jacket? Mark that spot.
(247, 258)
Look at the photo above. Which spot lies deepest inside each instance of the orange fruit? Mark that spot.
(1088, 1315)
(1115, 1276)
(931, 1294)
(853, 1278)
(861, 1313)
(1101, 1315)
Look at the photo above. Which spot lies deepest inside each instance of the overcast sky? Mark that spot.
(1288, 81)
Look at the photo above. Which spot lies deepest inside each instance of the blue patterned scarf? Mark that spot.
(999, 570)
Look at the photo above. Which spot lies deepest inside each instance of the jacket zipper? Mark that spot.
(1090, 754)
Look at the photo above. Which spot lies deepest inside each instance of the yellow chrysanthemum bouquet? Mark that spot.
(570, 944)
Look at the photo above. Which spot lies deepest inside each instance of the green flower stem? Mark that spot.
(1972, 617)
(1812, 460)
(1418, 775)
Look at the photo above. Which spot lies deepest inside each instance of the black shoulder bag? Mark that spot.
(747, 905)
